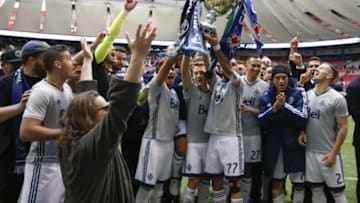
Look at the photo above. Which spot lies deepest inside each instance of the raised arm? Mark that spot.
(223, 60)
(79, 57)
(104, 48)
(185, 72)
(139, 49)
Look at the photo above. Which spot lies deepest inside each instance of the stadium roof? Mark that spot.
(279, 19)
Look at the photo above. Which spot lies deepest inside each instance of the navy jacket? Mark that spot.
(353, 100)
(283, 129)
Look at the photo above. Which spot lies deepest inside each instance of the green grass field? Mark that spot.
(348, 155)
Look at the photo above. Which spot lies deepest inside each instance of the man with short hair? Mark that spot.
(14, 93)
(10, 61)
(197, 96)
(325, 133)
(254, 89)
(283, 115)
(40, 124)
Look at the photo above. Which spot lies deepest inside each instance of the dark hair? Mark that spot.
(79, 118)
(120, 49)
(52, 54)
(314, 58)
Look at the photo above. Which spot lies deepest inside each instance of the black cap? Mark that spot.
(11, 56)
(280, 69)
(33, 47)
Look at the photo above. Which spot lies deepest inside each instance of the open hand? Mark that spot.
(141, 45)
(86, 49)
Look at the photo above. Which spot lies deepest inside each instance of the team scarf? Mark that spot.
(194, 39)
(42, 16)
(73, 26)
(22, 148)
(14, 12)
(184, 28)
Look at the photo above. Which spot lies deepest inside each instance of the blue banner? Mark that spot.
(255, 28)
(232, 34)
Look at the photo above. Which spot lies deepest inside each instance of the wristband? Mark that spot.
(217, 47)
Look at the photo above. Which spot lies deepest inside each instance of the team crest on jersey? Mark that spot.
(188, 167)
(150, 176)
(220, 91)
(257, 93)
(268, 105)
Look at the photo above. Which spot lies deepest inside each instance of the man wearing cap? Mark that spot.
(10, 61)
(13, 96)
(284, 114)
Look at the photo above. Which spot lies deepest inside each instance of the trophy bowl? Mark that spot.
(215, 8)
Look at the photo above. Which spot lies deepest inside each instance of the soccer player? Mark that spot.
(157, 147)
(325, 132)
(225, 154)
(197, 96)
(254, 89)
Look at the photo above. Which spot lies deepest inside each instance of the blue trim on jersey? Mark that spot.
(180, 136)
(148, 186)
(233, 177)
(155, 116)
(146, 160)
(195, 175)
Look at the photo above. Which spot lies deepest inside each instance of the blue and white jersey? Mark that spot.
(197, 103)
(253, 91)
(224, 117)
(321, 127)
(164, 112)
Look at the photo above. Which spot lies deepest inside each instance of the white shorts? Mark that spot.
(195, 159)
(155, 160)
(225, 156)
(42, 183)
(252, 149)
(316, 172)
(279, 173)
(181, 128)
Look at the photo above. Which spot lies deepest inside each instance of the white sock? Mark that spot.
(203, 191)
(299, 196)
(339, 197)
(189, 195)
(233, 200)
(177, 163)
(279, 199)
(157, 193)
(318, 194)
(219, 196)
(246, 188)
(143, 195)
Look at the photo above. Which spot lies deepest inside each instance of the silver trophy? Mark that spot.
(215, 8)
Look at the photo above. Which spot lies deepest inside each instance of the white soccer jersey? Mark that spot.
(197, 103)
(321, 127)
(164, 112)
(224, 111)
(253, 91)
(46, 103)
